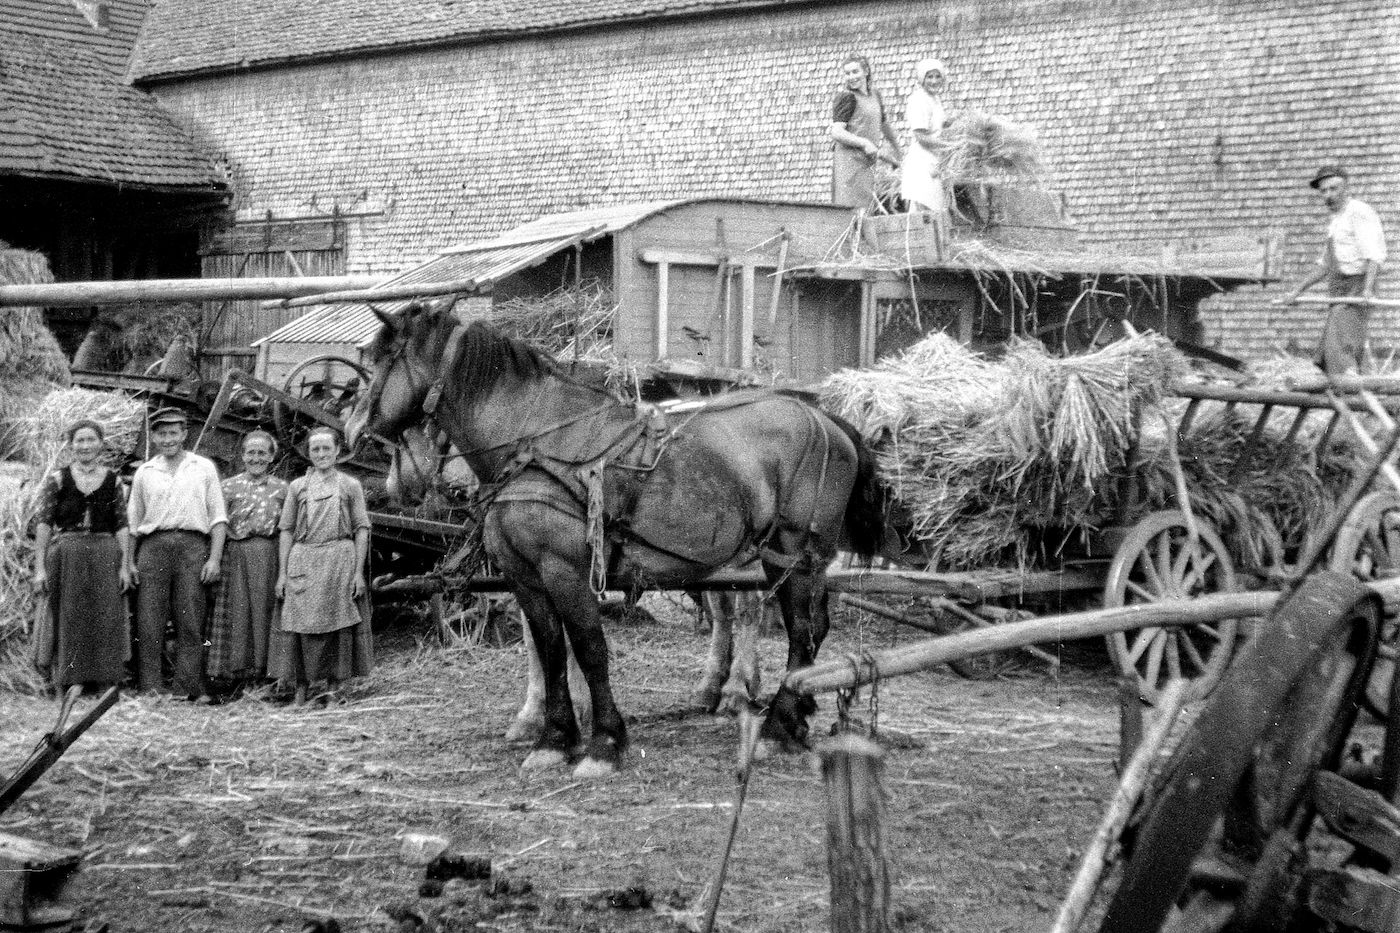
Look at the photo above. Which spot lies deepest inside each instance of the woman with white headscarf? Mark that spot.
(920, 184)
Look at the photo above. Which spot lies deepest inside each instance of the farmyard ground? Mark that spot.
(255, 817)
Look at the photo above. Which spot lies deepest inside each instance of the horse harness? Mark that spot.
(604, 482)
(602, 477)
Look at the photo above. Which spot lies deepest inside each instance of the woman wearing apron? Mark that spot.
(858, 124)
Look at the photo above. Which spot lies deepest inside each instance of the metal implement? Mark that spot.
(35, 889)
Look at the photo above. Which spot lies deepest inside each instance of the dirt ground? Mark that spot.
(252, 816)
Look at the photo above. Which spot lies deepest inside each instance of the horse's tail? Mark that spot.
(867, 519)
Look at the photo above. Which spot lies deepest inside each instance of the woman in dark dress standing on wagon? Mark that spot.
(83, 563)
(858, 126)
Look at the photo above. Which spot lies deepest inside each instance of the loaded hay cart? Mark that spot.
(1223, 833)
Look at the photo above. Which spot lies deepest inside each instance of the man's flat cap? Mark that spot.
(1326, 172)
(169, 416)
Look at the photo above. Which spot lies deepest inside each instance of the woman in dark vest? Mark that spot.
(858, 124)
(83, 563)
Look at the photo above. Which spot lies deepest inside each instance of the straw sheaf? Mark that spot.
(979, 452)
(981, 146)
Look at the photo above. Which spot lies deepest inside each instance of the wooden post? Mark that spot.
(853, 772)
(663, 309)
(746, 284)
(1130, 788)
(777, 292)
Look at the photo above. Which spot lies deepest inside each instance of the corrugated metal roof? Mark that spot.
(477, 265)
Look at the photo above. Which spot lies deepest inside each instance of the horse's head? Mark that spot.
(404, 358)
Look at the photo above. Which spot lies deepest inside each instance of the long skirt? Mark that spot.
(241, 624)
(91, 631)
(323, 633)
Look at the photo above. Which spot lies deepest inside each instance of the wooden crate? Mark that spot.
(914, 238)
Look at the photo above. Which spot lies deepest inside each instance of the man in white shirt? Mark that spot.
(1351, 258)
(176, 513)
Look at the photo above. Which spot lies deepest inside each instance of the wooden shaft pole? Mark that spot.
(924, 654)
(384, 293)
(82, 294)
(853, 774)
(1130, 788)
(1346, 300)
(1382, 384)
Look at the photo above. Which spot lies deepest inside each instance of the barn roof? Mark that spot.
(106, 28)
(64, 114)
(477, 265)
(194, 36)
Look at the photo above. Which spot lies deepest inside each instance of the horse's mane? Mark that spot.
(486, 355)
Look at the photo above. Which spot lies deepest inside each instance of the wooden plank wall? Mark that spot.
(256, 251)
(817, 326)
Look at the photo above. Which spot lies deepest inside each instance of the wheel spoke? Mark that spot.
(1198, 569)
(1141, 642)
(1173, 649)
(1149, 572)
(1143, 593)
(1154, 659)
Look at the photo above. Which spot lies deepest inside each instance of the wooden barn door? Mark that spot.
(260, 250)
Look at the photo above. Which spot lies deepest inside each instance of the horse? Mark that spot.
(587, 491)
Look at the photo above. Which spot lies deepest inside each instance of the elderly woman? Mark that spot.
(858, 123)
(83, 563)
(241, 624)
(325, 633)
(920, 184)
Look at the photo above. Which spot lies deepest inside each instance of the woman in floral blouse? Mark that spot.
(241, 624)
(82, 563)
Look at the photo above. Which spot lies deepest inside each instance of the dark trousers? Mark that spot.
(169, 563)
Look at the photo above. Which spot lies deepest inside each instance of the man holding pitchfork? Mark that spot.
(1351, 258)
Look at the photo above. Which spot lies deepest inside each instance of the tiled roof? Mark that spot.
(485, 263)
(185, 36)
(106, 28)
(65, 115)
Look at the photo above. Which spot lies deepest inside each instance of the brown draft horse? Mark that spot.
(586, 485)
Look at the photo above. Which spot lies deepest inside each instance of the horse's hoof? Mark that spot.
(542, 759)
(595, 769)
(524, 731)
(705, 700)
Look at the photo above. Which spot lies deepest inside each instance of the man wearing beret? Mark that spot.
(176, 513)
(1351, 258)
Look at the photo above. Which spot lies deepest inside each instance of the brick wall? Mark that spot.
(1161, 120)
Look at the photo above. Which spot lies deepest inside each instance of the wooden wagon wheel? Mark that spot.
(1154, 564)
(1368, 547)
(331, 383)
(1221, 841)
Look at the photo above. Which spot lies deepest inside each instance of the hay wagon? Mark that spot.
(1276, 807)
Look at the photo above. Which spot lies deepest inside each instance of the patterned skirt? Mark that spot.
(240, 626)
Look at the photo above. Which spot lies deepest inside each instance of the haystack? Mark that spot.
(31, 361)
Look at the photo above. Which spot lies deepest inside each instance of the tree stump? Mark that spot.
(853, 772)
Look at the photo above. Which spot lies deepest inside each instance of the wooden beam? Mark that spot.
(663, 309)
(746, 283)
(83, 294)
(401, 292)
(927, 653)
(680, 257)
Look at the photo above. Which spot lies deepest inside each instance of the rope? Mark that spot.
(592, 476)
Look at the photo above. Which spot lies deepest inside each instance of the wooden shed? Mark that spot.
(792, 291)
